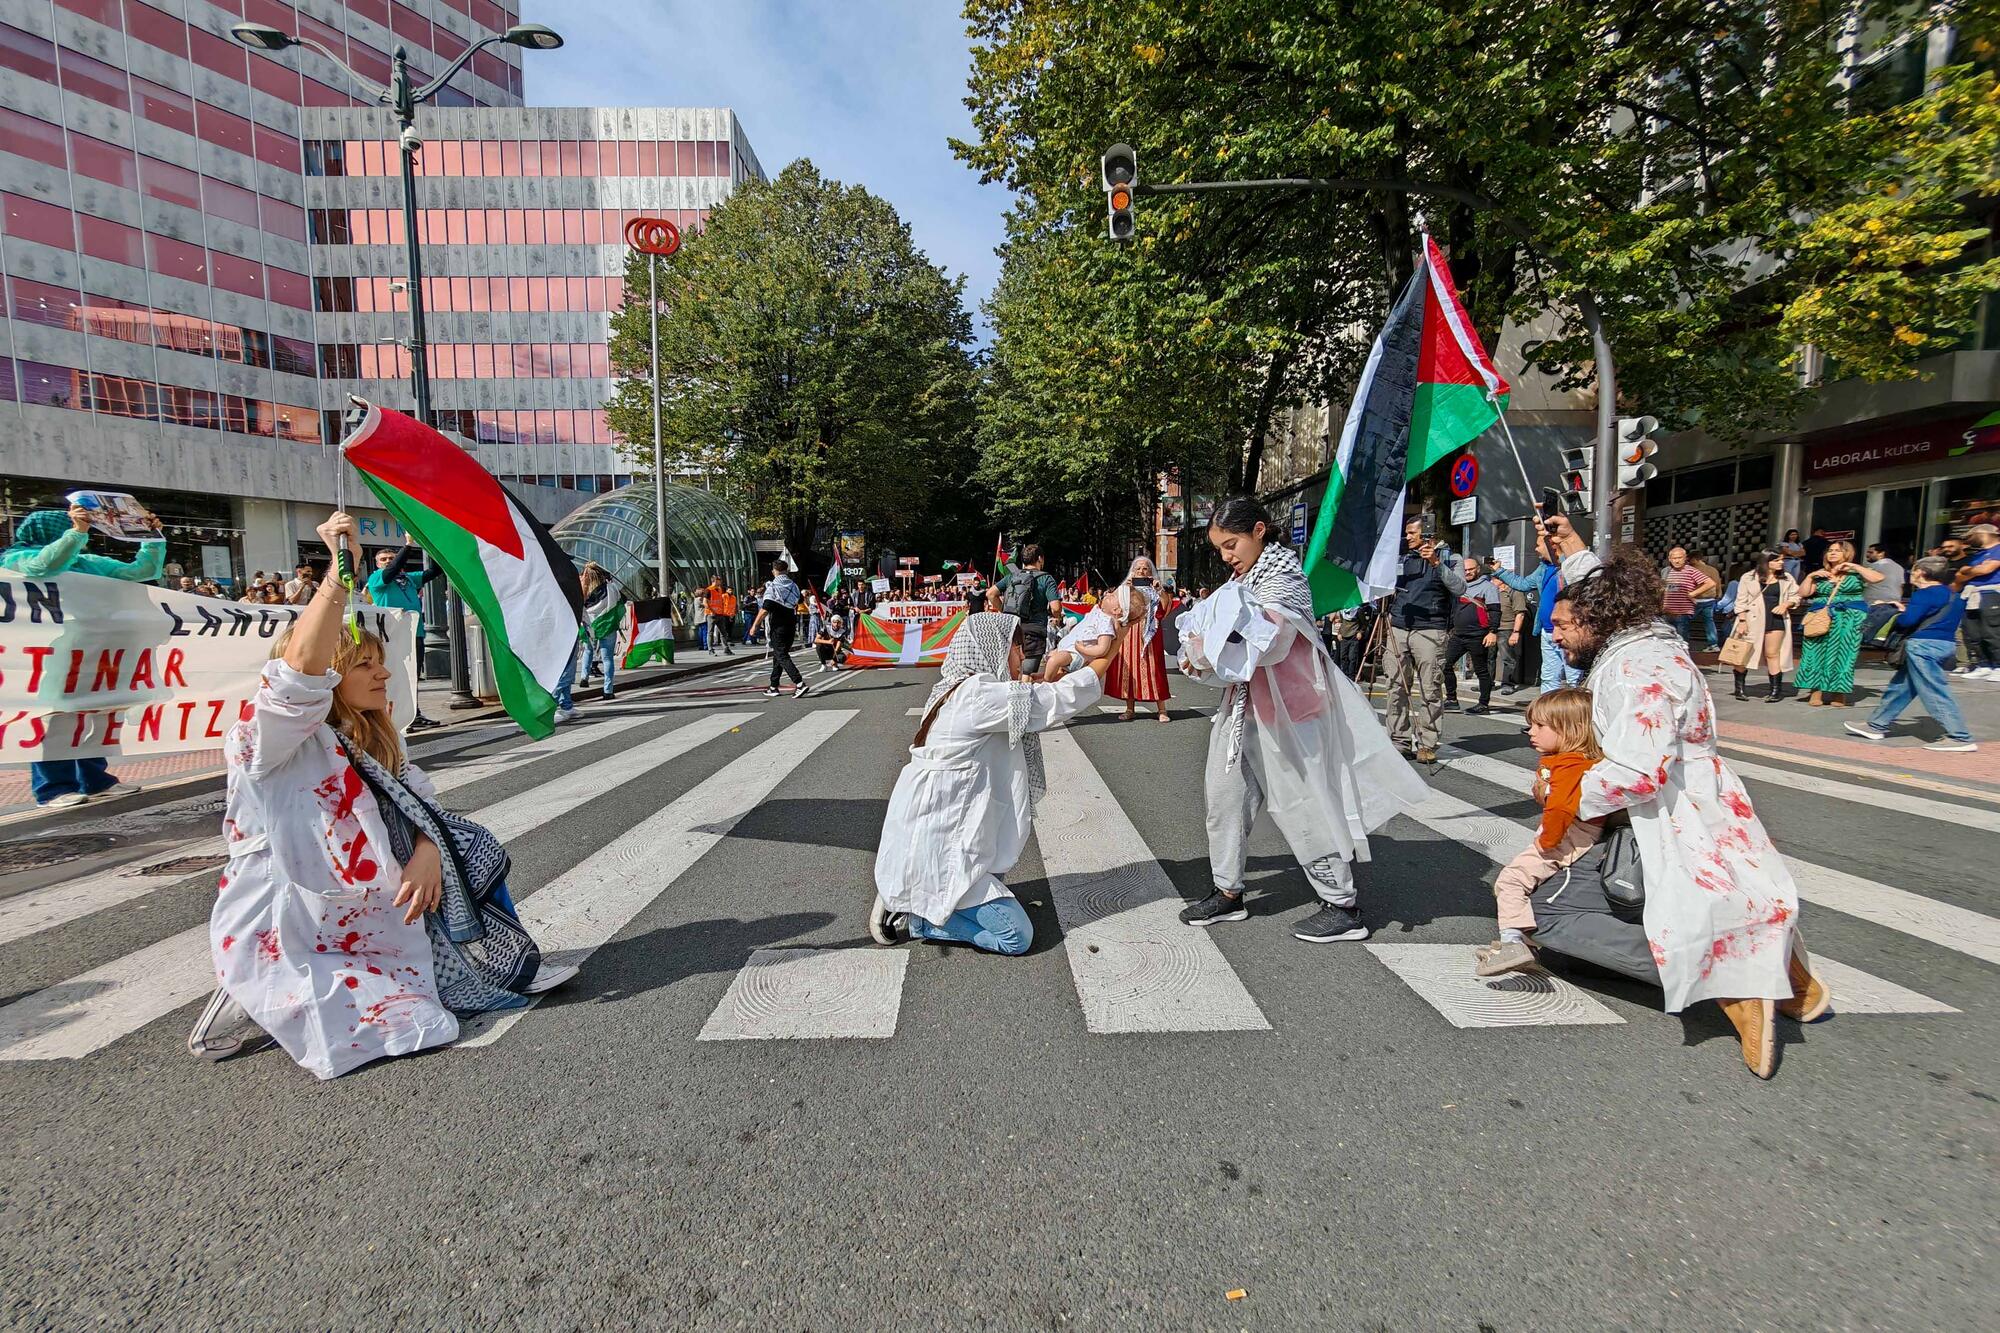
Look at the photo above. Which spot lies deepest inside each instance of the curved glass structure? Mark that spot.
(705, 538)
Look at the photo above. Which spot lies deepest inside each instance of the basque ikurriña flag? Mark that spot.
(504, 564)
(1428, 390)
(650, 632)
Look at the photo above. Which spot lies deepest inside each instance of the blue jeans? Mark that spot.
(1001, 926)
(1705, 612)
(60, 777)
(604, 654)
(1923, 679)
(563, 700)
(1556, 670)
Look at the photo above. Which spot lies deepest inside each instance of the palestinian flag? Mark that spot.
(833, 573)
(1073, 612)
(501, 561)
(890, 643)
(649, 632)
(1428, 390)
(1000, 567)
(607, 621)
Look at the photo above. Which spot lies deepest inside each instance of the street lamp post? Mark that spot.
(655, 238)
(403, 98)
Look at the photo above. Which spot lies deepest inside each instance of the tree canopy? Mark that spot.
(1729, 180)
(811, 356)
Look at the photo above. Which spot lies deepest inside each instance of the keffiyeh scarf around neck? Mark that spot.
(981, 648)
(1277, 581)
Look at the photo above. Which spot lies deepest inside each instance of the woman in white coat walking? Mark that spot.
(1293, 734)
(356, 919)
(963, 806)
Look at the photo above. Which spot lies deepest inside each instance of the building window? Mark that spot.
(94, 79)
(168, 183)
(114, 241)
(50, 386)
(33, 220)
(42, 303)
(33, 138)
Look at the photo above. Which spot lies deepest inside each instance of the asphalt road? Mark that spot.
(607, 1161)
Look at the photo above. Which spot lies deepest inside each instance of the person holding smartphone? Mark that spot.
(1428, 584)
(1139, 675)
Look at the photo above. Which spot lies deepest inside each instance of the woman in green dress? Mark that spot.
(1826, 670)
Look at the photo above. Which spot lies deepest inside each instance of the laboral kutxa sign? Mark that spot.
(1903, 446)
(93, 666)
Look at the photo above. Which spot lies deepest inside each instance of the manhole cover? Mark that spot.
(39, 853)
(181, 865)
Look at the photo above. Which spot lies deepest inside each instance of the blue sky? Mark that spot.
(869, 91)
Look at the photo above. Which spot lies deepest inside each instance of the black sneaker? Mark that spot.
(1218, 906)
(422, 723)
(1331, 923)
(771, 693)
(1478, 710)
(801, 690)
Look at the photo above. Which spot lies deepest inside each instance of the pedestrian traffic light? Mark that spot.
(1120, 168)
(1576, 460)
(1635, 450)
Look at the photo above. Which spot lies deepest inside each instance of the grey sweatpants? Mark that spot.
(1415, 662)
(1234, 802)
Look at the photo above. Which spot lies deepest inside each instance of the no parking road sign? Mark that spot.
(1464, 475)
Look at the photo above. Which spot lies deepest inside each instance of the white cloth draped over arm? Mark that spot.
(285, 712)
(984, 706)
(1230, 635)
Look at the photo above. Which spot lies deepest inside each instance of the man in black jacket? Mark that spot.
(1427, 584)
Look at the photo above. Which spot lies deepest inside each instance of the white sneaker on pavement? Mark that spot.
(69, 800)
(118, 789)
(1864, 731)
(1952, 747)
(1980, 673)
(566, 715)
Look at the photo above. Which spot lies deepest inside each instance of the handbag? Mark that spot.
(1738, 652)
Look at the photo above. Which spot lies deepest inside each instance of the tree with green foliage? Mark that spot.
(810, 355)
(1715, 174)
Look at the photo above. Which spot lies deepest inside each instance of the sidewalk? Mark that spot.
(433, 701)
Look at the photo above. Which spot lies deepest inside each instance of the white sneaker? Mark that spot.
(1864, 731)
(1980, 673)
(118, 789)
(566, 715)
(1952, 747)
(69, 800)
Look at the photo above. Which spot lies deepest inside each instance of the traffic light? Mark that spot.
(1576, 460)
(1635, 450)
(1120, 168)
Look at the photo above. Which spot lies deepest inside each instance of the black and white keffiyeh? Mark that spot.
(981, 648)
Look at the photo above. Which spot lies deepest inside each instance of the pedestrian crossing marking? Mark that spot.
(1928, 919)
(1137, 967)
(789, 994)
(71, 1019)
(43, 909)
(1856, 992)
(1442, 975)
(579, 911)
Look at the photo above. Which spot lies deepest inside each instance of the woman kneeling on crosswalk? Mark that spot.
(356, 918)
(964, 805)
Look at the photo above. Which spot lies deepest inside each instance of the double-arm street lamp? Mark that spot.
(403, 98)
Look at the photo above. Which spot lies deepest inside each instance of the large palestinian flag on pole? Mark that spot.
(649, 632)
(1428, 390)
(504, 564)
(890, 643)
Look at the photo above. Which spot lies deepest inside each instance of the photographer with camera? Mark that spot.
(1428, 584)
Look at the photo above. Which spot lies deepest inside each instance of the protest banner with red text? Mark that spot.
(93, 666)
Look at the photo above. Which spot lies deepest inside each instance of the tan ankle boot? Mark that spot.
(1756, 1026)
(1810, 996)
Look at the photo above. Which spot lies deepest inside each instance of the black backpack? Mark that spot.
(1023, 598)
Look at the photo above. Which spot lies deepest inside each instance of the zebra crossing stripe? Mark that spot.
(811, 993)
(1442, 975)
(579, 911)
(1926, 918)
(1136, 967)
(72, 1018)
(57, 904)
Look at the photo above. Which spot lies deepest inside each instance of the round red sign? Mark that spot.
(1464, 475)
(652, 236)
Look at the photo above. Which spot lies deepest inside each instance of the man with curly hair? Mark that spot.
(1720, 915)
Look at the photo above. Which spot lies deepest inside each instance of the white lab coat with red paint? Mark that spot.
(1720, 902)
(304, 933)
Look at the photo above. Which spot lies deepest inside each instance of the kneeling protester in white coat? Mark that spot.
(1293, 734)
(964, 804)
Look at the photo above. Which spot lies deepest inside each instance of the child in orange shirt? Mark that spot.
(1560, 730)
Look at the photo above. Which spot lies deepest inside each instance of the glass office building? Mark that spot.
(705, 539)
(200, 251)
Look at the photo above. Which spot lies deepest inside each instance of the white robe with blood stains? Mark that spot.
(303, 933)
